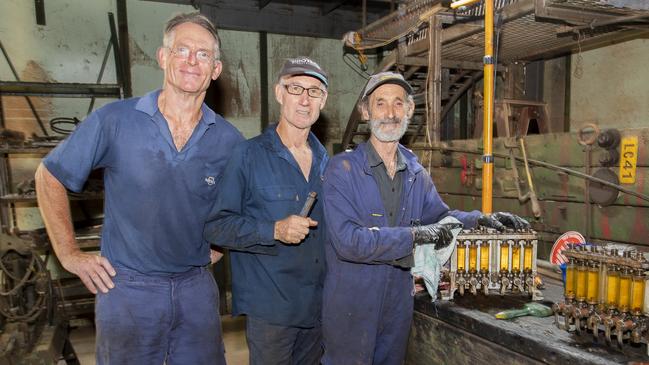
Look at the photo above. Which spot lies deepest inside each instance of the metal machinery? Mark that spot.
(605, 291)
(439, 51)
(34, 307)
(542, 172)
(31, 330)
(486, 260)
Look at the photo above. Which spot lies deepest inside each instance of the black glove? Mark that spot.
(502, 220)
(438, 234)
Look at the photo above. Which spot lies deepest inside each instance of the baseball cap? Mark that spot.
(303, 66)
(383, 78)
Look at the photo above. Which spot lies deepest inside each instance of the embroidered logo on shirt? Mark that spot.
(210, 180)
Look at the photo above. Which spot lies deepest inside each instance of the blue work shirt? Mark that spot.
(262, 183)
(367, 301)
(156, 197)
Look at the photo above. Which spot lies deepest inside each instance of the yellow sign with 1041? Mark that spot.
(628, 159)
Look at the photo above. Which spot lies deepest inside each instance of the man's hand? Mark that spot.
(438, 234)
(293, 229)
(502, 220)
(215, 256)
(94, 271)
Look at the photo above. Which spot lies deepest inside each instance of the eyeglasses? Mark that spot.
(184, 53)
(314, 92)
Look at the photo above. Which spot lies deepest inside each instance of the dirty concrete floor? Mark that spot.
(234, 337)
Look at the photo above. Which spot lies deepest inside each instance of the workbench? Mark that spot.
(465, 331)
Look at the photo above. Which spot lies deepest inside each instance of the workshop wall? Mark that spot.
(345, 85)
(236, 93)
(608, 86)
(72, 44)
(69, 48)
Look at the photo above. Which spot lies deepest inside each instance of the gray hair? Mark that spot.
(365, 104)
(195, 18)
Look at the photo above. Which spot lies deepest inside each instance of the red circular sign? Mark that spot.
(556, 256)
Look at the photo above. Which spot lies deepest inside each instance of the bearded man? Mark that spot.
(380, 203)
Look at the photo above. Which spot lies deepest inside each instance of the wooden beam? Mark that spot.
(434, 78)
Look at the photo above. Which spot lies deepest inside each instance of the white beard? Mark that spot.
(389, 136)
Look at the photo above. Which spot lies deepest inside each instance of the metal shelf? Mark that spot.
(87, 237)
(70, 90)
(28, 198)
(6, 149)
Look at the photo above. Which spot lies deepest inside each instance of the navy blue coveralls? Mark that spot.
(277, 283)
(368, 304)
(165, 302)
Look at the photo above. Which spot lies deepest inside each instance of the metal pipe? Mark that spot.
(101, 74)
(536, 208)
(547, 165)
(119, 73)
(547, 265)
(487, 106)
(589, 207)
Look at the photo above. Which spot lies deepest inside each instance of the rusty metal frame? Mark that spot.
(532, 30)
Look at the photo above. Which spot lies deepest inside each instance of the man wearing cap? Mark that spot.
(379, 204)
(277, 253)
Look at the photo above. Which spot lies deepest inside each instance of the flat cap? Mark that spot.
(383, 78)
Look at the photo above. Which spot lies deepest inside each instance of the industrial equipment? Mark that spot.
(31, 331)
(605, 292)
(485, 260)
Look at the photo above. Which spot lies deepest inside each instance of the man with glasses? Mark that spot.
(161, 154)
(276, 244)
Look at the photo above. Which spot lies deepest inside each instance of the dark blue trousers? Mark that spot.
(271, 344)
(150, 319)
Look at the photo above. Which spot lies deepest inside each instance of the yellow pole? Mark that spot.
(488, 102)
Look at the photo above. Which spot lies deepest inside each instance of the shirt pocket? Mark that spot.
(203, 181)
(280, 200)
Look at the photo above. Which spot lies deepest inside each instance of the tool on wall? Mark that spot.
(587, 136)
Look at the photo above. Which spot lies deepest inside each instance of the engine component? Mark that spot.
(485, 261)
(26, 301)
(605, 293)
